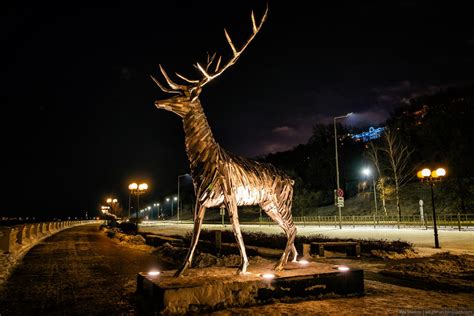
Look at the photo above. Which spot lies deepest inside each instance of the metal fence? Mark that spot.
(458, 221)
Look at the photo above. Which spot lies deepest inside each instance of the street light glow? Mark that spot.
(133, 186)
(143, 187)
(175, 198)
(440, 172)
(426, 172)
(366, 171)
(109, 200)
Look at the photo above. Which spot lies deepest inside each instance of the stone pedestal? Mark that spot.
(208, 289)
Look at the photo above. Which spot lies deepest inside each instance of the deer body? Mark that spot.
(222, 179)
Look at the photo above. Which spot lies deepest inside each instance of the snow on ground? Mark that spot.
(450, 240)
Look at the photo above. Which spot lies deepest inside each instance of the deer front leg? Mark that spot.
(234, 219)
(198, 218)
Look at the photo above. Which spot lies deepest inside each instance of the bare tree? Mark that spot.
(398, 156)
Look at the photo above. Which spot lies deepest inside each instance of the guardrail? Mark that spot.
(13, 239)
(456, 221)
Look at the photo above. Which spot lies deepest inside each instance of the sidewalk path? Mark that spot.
(76, 272)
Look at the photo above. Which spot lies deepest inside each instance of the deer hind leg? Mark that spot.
(198, 218)
(288, 227)
(231, 205)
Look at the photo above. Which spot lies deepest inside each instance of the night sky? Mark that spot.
(78, 118)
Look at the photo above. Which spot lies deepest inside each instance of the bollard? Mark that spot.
(218, 235)
(459, 221)
(21, 235)
(48, 227)
(40, 228)
(8, 239)
(28, 229)
(306, 250)
(34, 231)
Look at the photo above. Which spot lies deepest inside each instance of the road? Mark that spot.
(423, 240)
(78, 271)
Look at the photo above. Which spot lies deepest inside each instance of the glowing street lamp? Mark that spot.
(157, 205)
(367, 172)
(426, 175)
(137, 190)
(112, 203)
(174, 199)
(337, 160)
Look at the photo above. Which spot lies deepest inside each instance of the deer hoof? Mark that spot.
(278, 267)
(181, 270)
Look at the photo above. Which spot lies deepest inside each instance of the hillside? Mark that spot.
(363, 203)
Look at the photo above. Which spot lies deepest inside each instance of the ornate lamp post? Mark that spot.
(137, 190)
(337, 161)
(112, 203)
(430, 177)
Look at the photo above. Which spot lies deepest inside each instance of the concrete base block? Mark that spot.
(208, 289)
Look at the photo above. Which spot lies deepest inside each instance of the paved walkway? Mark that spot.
(76, 272)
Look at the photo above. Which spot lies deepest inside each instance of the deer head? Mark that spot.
(187, 95)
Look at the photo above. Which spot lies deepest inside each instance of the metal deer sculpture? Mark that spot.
(222, 179)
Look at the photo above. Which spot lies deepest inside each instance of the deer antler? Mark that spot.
(218, 70)
(236, 53)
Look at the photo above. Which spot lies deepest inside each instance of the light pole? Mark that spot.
(157, 205)
(174, 199)
(426, 175)
(129, 200)
(337, 161)
(178, 204)
(367, 172)
(112, 203)
(137, 190)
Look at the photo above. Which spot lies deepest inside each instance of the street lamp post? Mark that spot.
(174, 199)
(178, 204)
(368, 172)
(426, 175)
(137, 190)
(112, 203)
(129, 201)
(157, 205)
(337, 161)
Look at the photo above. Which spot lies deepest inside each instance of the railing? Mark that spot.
(16, 238)
(456, 221)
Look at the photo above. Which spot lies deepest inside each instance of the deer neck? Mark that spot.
(201, 147)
